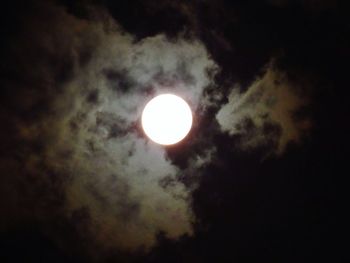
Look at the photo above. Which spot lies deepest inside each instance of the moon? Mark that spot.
(167, 119)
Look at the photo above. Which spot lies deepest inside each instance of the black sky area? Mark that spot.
(252, 205)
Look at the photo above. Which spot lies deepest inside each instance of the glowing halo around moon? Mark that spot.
(167, 119)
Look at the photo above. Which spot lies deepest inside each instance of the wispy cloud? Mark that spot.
(266, 114)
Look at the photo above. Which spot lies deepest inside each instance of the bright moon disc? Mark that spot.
(166, 119)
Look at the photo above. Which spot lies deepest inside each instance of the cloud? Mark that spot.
(72, 145)
(76, 118)
(266, 114)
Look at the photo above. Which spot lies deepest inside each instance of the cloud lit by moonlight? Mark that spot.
(79, 142)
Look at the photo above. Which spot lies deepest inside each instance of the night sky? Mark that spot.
(262, 175)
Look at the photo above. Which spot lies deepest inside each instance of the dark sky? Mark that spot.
(262, 176)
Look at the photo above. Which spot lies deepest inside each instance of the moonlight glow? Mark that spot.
(167, 119)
